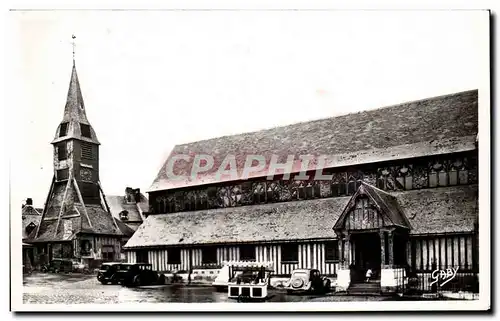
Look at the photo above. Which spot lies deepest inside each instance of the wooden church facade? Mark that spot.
(402, 198)
(76, 222)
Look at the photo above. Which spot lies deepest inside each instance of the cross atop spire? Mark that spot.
(74, 45)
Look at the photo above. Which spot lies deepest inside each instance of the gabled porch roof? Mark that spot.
(386, 204)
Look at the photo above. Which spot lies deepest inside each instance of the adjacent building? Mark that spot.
(76, 221)
(401, 198)
(129, 208)
(30, 219)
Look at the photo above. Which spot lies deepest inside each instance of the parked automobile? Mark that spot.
(108, 273)
(137, 274)
(250, 285)
(58, 265)
(307, 280)
(27, 269)
(231, 270)
(79, 267)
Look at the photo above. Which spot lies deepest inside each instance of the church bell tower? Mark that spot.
(76, 148)
(76, 213)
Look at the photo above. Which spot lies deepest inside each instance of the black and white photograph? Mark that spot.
(249, 160)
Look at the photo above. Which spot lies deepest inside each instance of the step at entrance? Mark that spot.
(364, 288)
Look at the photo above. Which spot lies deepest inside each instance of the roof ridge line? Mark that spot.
(330, 117)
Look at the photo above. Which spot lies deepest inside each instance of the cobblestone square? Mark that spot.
(47, 288)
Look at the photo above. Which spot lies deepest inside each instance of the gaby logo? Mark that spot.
(444, 276)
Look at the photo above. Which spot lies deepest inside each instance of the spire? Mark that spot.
(75, 107)
(75, 118)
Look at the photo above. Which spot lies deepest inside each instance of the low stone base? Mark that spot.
(391, 278)
(343, 280)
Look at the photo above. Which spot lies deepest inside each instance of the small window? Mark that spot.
(290, 253)
(142, 256)
(63, 130)
(338, 189)
(108, 253)
(85, 129)
(85, 247)
(62, 152)
(331, 251)
(62, 174)
(209, 255)
(30, 228)
(124, 215)
(174, 256)
(247, 252)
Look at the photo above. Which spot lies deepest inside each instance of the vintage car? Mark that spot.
(137, 274)
(307, 280)
(249, 281)
(58, 265)
(79, 267)
(108, 272)
(231, 271)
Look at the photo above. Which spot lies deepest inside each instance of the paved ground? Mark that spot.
(76, 288)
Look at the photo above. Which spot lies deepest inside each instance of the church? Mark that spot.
(401, 198)
(76, 222)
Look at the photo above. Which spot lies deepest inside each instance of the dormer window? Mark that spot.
(63, 130)
(30, 228)
(124, 215)
(85, 129)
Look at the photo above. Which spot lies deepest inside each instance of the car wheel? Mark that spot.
(327, 284)
(137, 280)
(297, 283)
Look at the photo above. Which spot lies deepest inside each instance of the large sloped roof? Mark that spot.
(118, 203)
(101, 222)
(420, 128)
(439, 210)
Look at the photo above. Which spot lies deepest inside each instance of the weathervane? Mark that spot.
(73, 42)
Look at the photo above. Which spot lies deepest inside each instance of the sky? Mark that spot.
(154, 79)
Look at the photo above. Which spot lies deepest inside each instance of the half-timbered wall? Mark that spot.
(228, 253)
(101, 241)
(427, 172)
(310, 255)
(363, 216)
(97, 243)
(457, 251)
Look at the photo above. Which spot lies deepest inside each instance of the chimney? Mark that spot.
(137, 195)
(29, 201)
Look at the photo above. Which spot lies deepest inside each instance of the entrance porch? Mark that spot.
(373, 235)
